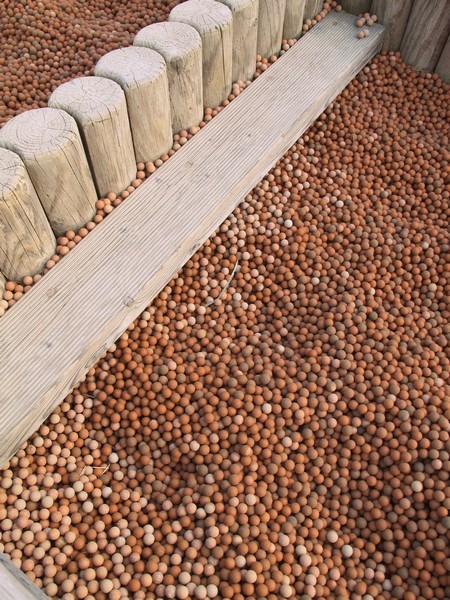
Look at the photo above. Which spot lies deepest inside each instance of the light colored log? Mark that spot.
(26, 238)
(443, 66)
(245, 37)
(293, 19)
(49, 143)
(214, 23)
(14, 585)
(142, 75)
(357, 7)
(426, 34)
(393, 14)
(99, 107)
(64, 324)
(270, 27)
(181, 47)
(2, 284)
(312, 8)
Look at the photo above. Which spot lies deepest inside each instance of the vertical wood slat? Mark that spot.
(393, 14)
(443, 66)
(426, 33)
(293, 19)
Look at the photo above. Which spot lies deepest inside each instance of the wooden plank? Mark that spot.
(14, 585)
(426, 34)
(50, 339)
(443, 66)
(393, 14)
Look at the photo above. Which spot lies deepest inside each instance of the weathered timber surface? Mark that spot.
(443, 66)
(426, 34)
(214, 23)
(142, 74)
(293, 19)
(99, 107)
(14, 584)
(49, 143)
(245, 37)
(64, 324)
(270, 27)
(26, 238)
(181, 47)
(393, 14)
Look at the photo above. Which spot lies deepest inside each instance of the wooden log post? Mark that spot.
(312, 8)
(2, 288)
(426, 34)
(48, 142)
(214, 23)
(181, 47)
(245, 37)
(293, 19)
(357, 7)
(393, 14)
(270, 27)
(99, 107)
(26, 238)
(443, 66)
(142, 75)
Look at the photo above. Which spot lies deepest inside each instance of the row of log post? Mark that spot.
(56, 162)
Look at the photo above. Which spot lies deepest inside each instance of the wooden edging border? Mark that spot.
(51, 338)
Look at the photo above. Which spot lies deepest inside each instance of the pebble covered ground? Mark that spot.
(276, 424)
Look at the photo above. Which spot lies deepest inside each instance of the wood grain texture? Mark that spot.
(356, 7)
(181, 47)
(26, 238)
(48, 142)
(99, 107)
(393, 14)
(14, 585)
(293, 19)
(312, 8)
(214, 23)
(426, 34)
(69, 319)
(443, 66)
(142, 75)
(245, 37)
(2, 283)
(270, 27)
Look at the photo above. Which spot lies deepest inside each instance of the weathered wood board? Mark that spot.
(50, 339)
(14, 584)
